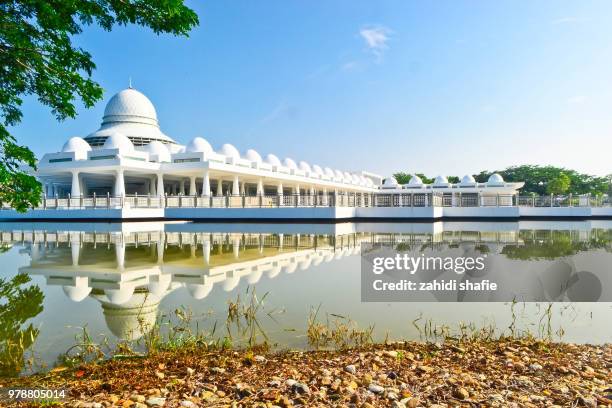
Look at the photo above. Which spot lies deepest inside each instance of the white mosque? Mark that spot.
(129, 154)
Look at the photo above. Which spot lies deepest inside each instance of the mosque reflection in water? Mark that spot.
(130, 268)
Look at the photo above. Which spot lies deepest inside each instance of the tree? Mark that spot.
(558, 185)
(37, 58)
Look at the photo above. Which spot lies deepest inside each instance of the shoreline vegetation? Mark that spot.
(174, 365)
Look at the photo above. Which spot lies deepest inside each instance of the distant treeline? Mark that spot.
(538, 180)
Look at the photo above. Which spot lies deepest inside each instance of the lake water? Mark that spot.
(117, 279)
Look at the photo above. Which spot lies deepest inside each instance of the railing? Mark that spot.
(321, 200)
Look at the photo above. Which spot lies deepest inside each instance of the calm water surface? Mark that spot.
(116, 279)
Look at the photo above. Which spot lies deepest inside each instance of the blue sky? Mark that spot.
(444, 87)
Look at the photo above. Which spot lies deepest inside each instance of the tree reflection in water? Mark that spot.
(19, 303)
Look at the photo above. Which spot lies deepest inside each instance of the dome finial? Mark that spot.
(130, 82)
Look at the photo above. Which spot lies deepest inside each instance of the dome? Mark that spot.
(347, 177)
(495, 179)
(199, 291)
(230, 151)
(273, 160)
(230, 284)
(317, 169)
(290, 164)
(134, 318)
(131, 113)
(199, 145)
(253, 156)
(440, 180)
(390, 182)
(338, 174)
(305, 167)
(129, 105)
(159, 151)
(119, 296)
(77, 145)
(118, 141)
(415, 181)
(76, 293)
(329, 172)
(356, 179)
(468, 179)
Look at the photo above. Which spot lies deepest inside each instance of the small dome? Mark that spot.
(118, 141)
(159, 151)
(199, 291)
(390, 182)
(119, 296)
(76, 293)
(229, 150)
(199, 145)
(369, 182)
(356, 179)
(329, 172)
(348, 178)
(338, 174)
(317, 169)
(290, 164)
(467, 180)
(440, 180)
(273, 160)
(77, 145)
(495, 179)
(253, 156)
(305, 167)
(415, 181)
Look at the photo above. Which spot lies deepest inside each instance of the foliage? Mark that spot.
(19, 305)
(536, 179)
(38, 58)
(558, 185)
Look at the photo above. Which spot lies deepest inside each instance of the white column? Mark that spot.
(182, 187)
(279, 189)
(260, 187)
(206, 251)
(120, 254)
(220, 188)
(119, 184)
(297, 190)
(75, 248)
(205, 184)
(152, 187)
(236, 186)
(76, 185)
(192, 186)
(243, 188)
(160, 185)
(236, 247)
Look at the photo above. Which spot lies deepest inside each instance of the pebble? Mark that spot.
(218, 370)
(156, 402)
(259, 359)
(376, 389)
(350, 369)
(461, 393)
(290, 382)
(390, 353)
(535, 367)
(300, 388)
(138, 398)
(397, 404)
(188, 404)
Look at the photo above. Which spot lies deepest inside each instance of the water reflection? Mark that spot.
(130, 269)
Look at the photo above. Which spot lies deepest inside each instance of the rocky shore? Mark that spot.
(475, 373)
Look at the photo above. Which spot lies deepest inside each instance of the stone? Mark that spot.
(397, 404)
(300, 388)
(350, 369)
(156, 402)
(218, 370)
(535, 367)
(412, 403)
(290, 382)
(375, 388)
(390, 353)
(138, 398)
(259, 359)
(188, 404)
(461, 393)
(392, 375)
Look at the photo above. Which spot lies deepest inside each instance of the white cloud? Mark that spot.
(568, 20)
(577, 99)
(376, 39)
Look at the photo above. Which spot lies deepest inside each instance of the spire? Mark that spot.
(130, 83)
